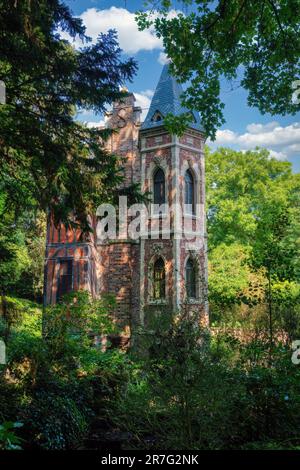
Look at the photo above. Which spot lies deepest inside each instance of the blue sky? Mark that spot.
(245, 127)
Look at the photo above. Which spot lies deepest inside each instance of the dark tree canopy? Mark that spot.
(255, 43)
(45, 154)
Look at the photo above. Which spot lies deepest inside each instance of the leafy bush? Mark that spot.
(186, 390)
(55, 422)
(75, 320)
(8, 438)
(191, 394)
(57, 384)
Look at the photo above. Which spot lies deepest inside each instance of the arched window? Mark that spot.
(190, 279)
(159, 187)
(159, 279)
(189, 192)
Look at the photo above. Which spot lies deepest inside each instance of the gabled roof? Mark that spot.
(166, 99)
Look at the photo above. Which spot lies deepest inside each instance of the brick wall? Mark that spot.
(124, 267)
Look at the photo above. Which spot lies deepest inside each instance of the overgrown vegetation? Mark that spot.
(189, 390)
(49, 158)
(52, 384)
(234, 386)
(192, 393)
(254, 243)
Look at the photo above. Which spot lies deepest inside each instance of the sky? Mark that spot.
(245, 127)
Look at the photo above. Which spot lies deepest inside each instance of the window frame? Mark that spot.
(157, 117)
(69, 276)
(154, 212)
(159, 171)
(150, 299)
(190, 208)
(191, 273)
(161, 281)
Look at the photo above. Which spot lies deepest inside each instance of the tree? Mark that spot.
(13, 253)
(254, 235)
(255, 44)
(229, 273)
(21, 221)
(239, 185)
(31, 282)
(43, 149)
(276, 247)
(14, 260)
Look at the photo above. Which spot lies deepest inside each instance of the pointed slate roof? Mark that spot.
(166, 99)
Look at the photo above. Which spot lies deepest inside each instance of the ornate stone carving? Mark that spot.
(157, 248)
(157, 160)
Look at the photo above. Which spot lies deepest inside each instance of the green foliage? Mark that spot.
(254, 233)
(25, 348)
(31, 282)
(229, 273)
(74, 321)
(55, 422)
(240, 186)
(22, 246)
(246, 43)
(286, 292)
(190, 394)
(46, 155)
(177, 124)
(8, 438)
(55, 385)
(286, 299)
(187, 391)
(276, 246)
(13, 253)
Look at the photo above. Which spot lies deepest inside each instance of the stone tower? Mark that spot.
(166, 266)
(172, 168)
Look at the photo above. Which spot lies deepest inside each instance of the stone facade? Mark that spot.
(126, 267)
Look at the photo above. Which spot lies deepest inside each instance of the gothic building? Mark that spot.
(164, 268)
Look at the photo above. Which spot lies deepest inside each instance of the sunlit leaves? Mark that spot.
(256, 44)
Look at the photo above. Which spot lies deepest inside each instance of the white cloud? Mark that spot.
(259, 128)
(294, 148)
(163, 58)
(131, 40)
(143, 99)
(92, 124)
(271, 134)
(148, 93)
(226, 136)
(278, 136)
(279, 140)
(278, 155)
